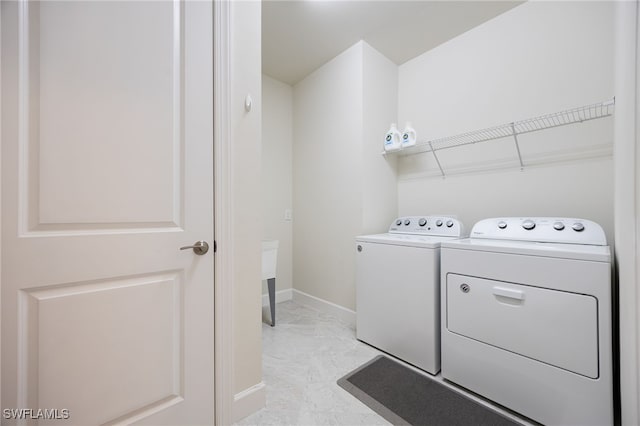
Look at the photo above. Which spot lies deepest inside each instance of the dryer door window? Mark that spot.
(555, 327)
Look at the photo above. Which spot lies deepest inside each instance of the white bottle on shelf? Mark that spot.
(392, 140)
(408, 136)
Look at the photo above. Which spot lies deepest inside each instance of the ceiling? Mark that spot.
(298, 36)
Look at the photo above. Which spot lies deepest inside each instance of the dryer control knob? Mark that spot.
(438, 222)
(399, 222)
(578, 227)
(528, 225)
(407, 222)
(422, 222)
(558, 226)
(449, 223)
(502, 224)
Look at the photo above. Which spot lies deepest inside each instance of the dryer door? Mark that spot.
(555, 327)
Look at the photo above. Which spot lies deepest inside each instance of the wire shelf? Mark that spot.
(513, 129)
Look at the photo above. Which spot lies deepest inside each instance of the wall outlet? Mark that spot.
(288, 215)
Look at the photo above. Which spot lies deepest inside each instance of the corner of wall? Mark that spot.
(327, 177)
(380, 109)
(277, 174)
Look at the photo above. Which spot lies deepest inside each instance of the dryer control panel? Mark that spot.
(428, 225)
(541, 229)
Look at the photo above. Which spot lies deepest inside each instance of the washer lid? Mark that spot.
(533, 248)
(424, 241)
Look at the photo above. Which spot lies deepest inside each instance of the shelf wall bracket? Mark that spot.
(436, 157)
(515, 138)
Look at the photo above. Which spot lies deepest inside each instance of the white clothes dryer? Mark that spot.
(527, 318)
(398, 288)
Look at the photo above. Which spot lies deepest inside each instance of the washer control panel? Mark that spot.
(427, 225)
(541, 229)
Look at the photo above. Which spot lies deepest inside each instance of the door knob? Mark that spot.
(200, 247)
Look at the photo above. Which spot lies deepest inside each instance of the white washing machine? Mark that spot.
(527, 318)
(398, 288)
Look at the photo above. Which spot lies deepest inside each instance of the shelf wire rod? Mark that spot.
(536, 125)
(573, 116)
(515, 138)
(493, 134)
(527, 126)
(436, 157)
(564, 119)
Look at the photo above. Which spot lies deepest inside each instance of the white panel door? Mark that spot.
(107, 170)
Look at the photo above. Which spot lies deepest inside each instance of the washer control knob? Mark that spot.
(578, 227)
(528, 225)
(438, 222)
(558, 226)
(422, 222)
(407, 222)
(502, 224)
(449, 223)
(399, 222)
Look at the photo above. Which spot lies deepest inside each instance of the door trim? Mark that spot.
(223, 212)
(627, 205)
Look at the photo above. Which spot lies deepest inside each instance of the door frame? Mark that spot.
(627, 204)
(223, 212)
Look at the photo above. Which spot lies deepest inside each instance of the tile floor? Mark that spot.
(303, 357)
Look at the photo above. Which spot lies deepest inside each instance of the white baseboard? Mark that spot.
(281, 296)
(344, 314)
(249, 401)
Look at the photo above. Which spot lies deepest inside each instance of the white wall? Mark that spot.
(342, 185)
(277, 173)
(380, 105)
(245, 153)
(327, 177)
(538, 58)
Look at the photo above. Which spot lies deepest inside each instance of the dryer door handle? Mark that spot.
(508, 292)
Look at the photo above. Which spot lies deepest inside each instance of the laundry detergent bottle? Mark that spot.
(392, 139)
(408, 136)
